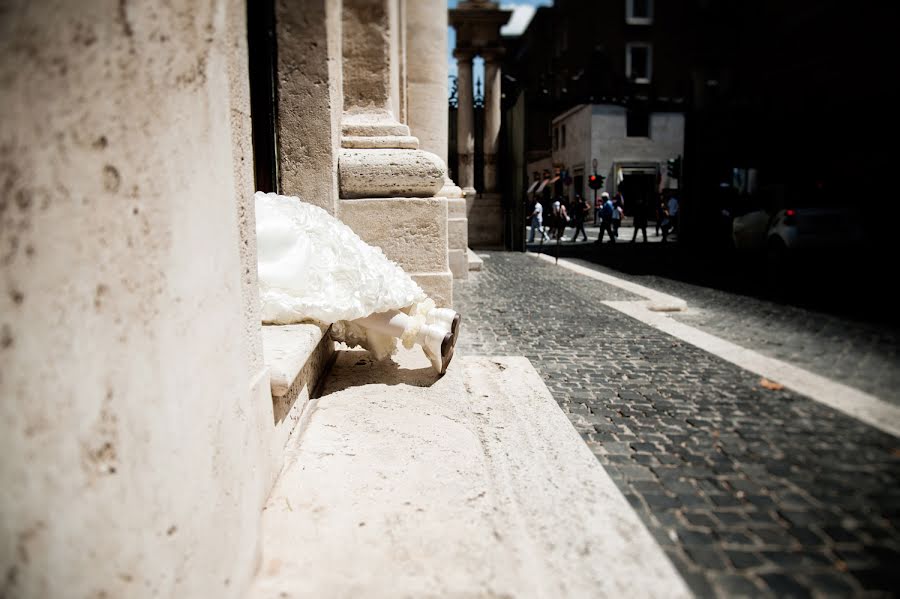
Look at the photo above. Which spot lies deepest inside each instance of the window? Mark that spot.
(564, 136)
(639, 62)
(639, 12)
(637, 122)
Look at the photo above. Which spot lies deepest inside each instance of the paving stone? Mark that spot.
(730, 585)
(783, 585)
(743, 560)
(793, 477)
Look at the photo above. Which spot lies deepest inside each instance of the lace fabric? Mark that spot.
(314, 267)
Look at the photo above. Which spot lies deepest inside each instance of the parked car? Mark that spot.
(785, 222)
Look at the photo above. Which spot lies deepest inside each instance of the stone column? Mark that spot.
(309, 48)
(491, 118)
(465, 122)
(136, 414)
(387, 184)
(426, 26)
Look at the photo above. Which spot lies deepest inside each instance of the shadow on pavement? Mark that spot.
(851, 286)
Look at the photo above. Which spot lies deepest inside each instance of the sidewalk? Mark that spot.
(749, 490)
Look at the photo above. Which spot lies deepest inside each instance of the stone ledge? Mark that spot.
(472, 485)
(297, 356)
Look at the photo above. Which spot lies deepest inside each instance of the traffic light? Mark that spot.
(674, 167)
(595, 181)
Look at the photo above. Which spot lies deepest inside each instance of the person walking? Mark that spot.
(580, 210)
(640, 219)
(537, 224)
(660, 212)
(606, 219)
(617, 214)
(671, 217)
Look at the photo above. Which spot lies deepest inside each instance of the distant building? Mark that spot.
(631, 148)
(599, 79)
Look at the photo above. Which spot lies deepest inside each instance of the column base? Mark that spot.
(410, 231)
(437, 285)
(485, 213)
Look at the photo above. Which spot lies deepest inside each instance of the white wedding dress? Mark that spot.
(313, 267)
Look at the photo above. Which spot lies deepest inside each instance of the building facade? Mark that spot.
(630, 150)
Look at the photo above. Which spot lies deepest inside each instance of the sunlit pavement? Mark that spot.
(749, 490)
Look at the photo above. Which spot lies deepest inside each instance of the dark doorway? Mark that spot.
(263, 58)
(638, 189)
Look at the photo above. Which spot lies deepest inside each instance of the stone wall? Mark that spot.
(135, 413)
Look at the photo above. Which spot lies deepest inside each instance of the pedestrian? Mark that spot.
(606, 219)
(620, 200)
(671, 216)
(660, 212)
(618, 213)
(537, 224)
(580, 209)
(640, 218)
(562, 221)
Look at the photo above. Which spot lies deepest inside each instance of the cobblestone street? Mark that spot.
(750, 491)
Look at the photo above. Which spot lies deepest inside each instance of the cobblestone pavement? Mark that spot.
(862, 355)
(749, 491)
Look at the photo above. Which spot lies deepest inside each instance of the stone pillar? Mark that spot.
(387, 184)
(309, 48)
(134, 439)
(426, 26)
(465, 122)
(491, 118)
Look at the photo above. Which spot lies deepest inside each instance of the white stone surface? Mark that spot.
(138, 466)
(459, 264)
(287, 349)
(387, 173)
(426, 35)
(473, 485)
(411, 231)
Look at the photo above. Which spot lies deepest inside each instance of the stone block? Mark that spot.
(459, 264)
(457, 233)
(456, 207)
(437, 285)
(411, 231)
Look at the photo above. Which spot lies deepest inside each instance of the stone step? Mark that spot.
(297, 356)
(474, 484)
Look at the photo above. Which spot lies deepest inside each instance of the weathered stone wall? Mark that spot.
(310, 100)
(135, 457)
